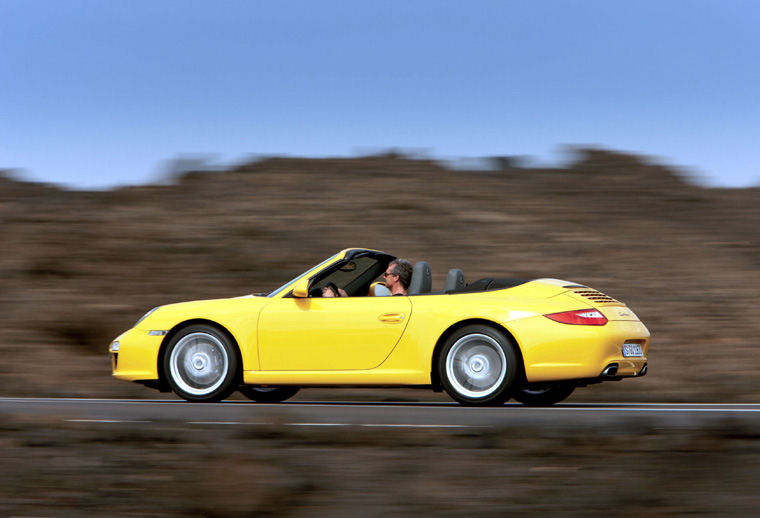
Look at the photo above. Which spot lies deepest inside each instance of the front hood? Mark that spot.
(166, 317)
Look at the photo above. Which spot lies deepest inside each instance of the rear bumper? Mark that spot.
(629, 368)
(553, 352)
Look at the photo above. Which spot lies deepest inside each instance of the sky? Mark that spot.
(97, 93)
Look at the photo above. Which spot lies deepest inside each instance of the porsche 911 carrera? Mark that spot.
(483, 342)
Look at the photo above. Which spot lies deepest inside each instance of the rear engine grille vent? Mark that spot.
(594, 296)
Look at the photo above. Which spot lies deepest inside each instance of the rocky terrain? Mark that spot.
(77, 268)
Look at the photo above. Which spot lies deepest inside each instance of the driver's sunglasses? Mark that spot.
(386, 274)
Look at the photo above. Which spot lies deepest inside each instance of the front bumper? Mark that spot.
(137, 355)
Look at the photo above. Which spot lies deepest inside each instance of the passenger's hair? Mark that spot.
(403, 269)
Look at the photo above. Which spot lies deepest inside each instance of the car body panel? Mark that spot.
(366, 340)
(342, 333)
(138, 351)
(553, 351)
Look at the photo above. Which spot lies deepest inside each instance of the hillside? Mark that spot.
(77, 268)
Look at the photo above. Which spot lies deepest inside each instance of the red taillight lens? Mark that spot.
(581, 317)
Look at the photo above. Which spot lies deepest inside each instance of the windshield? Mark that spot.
(305, 274)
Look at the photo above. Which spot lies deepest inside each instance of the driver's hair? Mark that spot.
(403, 269)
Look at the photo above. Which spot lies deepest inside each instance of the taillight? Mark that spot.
(580, 317)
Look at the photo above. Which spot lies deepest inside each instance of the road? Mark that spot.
(382, 415)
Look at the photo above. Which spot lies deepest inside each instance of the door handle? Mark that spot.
(391, 317)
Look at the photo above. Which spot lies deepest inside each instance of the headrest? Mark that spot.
(454, 280)
(421, 279)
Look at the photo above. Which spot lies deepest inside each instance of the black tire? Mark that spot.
(544, 395)
(478, 366)
(201, 364)
(268, 394)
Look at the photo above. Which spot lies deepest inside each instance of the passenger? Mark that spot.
(331, 290)
(397, 276)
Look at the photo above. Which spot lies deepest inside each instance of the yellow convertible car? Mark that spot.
(482, 342)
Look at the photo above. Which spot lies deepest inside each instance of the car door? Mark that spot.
(343, 333)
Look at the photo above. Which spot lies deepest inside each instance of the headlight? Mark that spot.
(145, 316)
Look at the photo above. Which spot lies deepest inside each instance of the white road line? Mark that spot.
(88, 400)
(423, 426)
(452, 404)
(732, 408)
(318, 424)
(387, 425)
(105, 421)
(638, 409)
(237, 423)
(633, 405)
(219, 422)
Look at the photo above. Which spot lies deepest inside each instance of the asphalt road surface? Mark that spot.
(381, 415)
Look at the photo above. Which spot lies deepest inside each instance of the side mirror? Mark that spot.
(301, 289)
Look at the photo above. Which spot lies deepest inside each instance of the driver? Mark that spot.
(397, 276)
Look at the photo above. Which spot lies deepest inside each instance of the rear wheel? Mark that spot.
(478, 365)
(201, 364)
(544, 395)
(268, 394)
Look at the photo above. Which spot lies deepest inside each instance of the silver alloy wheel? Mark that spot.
(199, 363)
(476, 365)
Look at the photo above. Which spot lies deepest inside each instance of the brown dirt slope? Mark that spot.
(77, 268)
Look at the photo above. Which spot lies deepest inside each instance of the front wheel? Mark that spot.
(544, 395)
(268, 394)
(201, 364)
(478, 365)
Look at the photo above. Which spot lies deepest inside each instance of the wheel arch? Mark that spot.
(196, 321)
(435, 379)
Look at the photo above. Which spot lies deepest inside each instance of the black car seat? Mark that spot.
(421, 279)
(454, 280)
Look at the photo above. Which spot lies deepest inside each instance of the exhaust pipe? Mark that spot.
(643, 370)
(610, 370)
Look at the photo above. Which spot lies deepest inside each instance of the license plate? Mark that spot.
(630, 350)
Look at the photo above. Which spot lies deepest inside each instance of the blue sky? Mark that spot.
(96, 93)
